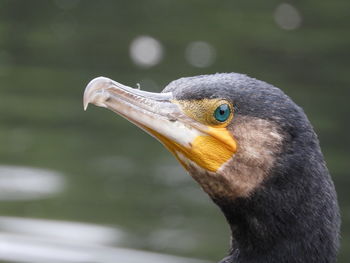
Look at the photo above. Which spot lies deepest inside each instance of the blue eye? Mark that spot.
(222, 113)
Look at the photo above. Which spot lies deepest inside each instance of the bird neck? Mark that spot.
(293, 216)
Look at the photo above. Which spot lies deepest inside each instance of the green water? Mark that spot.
(114, 173)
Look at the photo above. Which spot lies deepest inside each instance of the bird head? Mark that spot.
(252, 149)
(225, 129)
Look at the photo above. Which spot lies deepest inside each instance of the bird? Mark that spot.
(252, 150)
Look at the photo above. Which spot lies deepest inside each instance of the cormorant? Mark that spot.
(252, 150)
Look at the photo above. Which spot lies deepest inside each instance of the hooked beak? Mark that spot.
(158, 115)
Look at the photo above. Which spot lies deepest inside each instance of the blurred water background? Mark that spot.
(88, 186)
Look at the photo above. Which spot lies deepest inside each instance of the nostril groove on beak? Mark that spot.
(171, 117)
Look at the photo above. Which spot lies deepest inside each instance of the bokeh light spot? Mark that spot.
(200, 54)
(26, 183)
(146, 51)
(287, 17)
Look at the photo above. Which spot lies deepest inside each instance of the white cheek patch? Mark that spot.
(259, 142)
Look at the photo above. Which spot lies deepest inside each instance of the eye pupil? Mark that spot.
(222, 113)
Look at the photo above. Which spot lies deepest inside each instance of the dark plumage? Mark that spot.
(275, 190)
(293, 216)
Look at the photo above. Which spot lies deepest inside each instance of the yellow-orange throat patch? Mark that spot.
(208, 151)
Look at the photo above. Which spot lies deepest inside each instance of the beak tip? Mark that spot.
(94, 86)
(86, 105)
